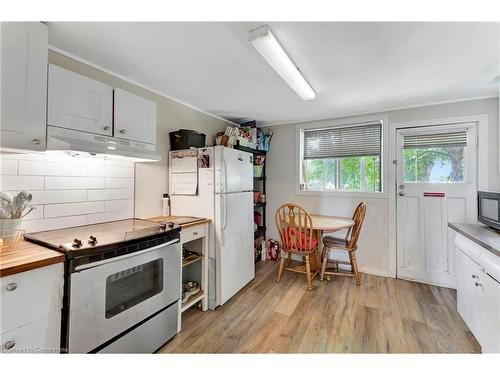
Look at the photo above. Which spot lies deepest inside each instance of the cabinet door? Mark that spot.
(40, 336)
(135, 117)
(468, 273)
(24, 85)
(489, 302)
(78, 102)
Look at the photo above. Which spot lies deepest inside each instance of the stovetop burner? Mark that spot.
(93, 237)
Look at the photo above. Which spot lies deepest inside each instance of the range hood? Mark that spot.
(61, 139)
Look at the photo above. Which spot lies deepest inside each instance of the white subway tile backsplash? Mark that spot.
(71, 209)
(118, 183)
(109, 194)
(8, 166)
(36, 214)
(58, 196)
(109, 216)
(8, 182)
(111, 171)
(69, 191)
(55, 223)
(119, 205)
(61, 183)
(51, 168)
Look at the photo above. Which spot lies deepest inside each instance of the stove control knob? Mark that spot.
(170, 225)
(92, 241)
(77, 243)
(163, 226)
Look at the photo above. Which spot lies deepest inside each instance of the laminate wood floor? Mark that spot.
(383, 315)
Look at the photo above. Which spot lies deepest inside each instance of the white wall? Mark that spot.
(68, 191)
(151, 179)
(373, 251)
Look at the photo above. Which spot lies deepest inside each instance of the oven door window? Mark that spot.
(130, 287)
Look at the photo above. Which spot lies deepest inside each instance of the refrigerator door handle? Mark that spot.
(225, 177)
(224, 216)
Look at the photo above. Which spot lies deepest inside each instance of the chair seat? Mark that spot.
(336, 243)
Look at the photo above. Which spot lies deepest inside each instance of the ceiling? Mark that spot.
(353, 67)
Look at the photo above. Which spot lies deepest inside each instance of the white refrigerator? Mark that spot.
(225, 195)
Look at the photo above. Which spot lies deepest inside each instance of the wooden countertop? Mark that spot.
(26, 256)
(200, 220)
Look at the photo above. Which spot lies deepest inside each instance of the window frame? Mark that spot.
(346, 122)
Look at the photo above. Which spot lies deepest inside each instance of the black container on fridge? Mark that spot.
(185, 138)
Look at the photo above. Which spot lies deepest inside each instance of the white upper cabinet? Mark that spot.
(23, 85)
(79, 103)
(135, 117)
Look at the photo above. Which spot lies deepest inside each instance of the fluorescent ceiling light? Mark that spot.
(270, 49)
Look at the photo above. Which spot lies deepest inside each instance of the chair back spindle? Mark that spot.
(294, 225)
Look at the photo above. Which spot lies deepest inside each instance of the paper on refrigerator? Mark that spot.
(184, 172)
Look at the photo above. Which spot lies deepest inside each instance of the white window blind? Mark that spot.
(453, 139)
(342, 142)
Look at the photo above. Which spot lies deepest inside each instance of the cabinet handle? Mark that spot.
(11, 287)
(9, 345)
(106, 128)
(475, 276)
(123, 131)
(478, 284)
(35, 141)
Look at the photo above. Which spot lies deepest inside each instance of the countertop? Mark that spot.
(480, 234)
(199, 220)
(26, 256)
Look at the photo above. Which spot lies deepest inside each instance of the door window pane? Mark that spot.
(130, 287)
(434, 164)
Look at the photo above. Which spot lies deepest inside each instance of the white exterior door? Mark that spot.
(436, 184)
(79, 103)
(234, 243)
(234, 170)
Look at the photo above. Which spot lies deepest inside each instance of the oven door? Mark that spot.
(111, 296)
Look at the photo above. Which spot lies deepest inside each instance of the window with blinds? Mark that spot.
(455, 139)
(346, 158)
(362, 140)
(434, 157)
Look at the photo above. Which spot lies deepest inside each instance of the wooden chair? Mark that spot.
(349, 244)
(296, 232)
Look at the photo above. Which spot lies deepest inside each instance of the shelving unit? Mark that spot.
(192, 300)
(259, 184)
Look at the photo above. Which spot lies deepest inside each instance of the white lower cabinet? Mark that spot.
(478, 292)
(41, 336)
(31, 302)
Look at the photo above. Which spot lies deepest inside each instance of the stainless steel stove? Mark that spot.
(122, 285)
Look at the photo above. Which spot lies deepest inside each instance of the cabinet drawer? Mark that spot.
(28, 296)
(41, 336)
(192, 233)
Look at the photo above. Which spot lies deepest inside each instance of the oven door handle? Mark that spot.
(126, 256)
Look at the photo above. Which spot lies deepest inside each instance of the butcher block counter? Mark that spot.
(183, 221)
(26, 256)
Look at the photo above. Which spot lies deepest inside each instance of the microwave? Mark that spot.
(488, 208)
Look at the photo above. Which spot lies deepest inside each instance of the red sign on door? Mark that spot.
(435, 195)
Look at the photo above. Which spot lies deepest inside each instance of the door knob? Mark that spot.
(9, 345)
(11, 287)
(35, 141)
(123, 131)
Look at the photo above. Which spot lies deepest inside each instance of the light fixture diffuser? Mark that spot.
(268, 46)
